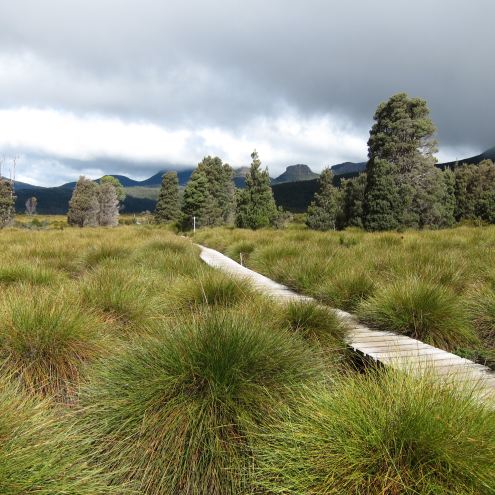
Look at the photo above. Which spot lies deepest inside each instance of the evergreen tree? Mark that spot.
(168, 204)
(255, 205)
(352, 201)
(221, 191)
(403, 137)
(84, 206)
(324, 209)
(381, 197)
(209, 195)
(197, 202)
(108, 215)
(475, 192)
(7, 202)
(449, 202)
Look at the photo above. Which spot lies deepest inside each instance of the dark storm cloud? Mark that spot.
(221, 64)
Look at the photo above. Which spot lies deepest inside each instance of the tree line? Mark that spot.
(211, 199)
(402, 187)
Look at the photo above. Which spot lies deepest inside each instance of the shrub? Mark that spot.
(174, 413)
(40, 454)
(46, 339)
(419, 309)
(384, 433)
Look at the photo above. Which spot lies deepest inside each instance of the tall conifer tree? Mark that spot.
(324, 210)
(168, 204)
(256, 206)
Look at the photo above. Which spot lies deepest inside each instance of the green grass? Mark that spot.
(314, 322)
(46, 341)
(380, 433)
(127, 364)
(421, 310)
(40, 454)
(188, 398)
(209, 288)
(368, 272)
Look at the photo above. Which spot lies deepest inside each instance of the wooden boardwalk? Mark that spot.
(390, 349)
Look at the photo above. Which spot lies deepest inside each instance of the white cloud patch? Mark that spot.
(49, 141)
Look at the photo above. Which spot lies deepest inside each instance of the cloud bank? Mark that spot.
(141, 85)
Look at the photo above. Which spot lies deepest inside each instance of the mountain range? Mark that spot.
(293, 189)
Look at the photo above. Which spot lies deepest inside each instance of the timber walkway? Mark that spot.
(390, 349)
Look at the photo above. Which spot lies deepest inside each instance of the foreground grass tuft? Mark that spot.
(175, 412)
(209, 289)
(380, 433)
(40, 454)
(46, 339)
(422, 310)
(315, 322)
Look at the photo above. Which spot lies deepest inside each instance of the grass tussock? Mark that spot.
(314, 322)
(122, 296)
(188, 399)
(40, 454)
(421, 310)
(46, 340)
(210, 288)
(380, 433)
(353, 269)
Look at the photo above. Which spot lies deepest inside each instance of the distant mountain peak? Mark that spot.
(296, 173)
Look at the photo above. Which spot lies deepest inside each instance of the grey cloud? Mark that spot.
(222, 63)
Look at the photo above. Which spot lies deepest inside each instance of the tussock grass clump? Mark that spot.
(123, 296)
(23, 272)
(211, 288)
(46, 339)
(381, 433)
(40, 454)
(482, 309)
(96, 254)
(346, 288)
(314, 322)
(175, 412)
(419, 309)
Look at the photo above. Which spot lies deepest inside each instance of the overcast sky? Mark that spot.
(135, 86)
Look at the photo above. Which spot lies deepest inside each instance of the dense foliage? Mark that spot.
(255, 204)
(209, 196)
(7, 202)
(324, 210)
(95, 204)
(168, 204)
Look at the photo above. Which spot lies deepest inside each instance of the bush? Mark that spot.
(384, 433)
(419, 309)
(46, 339)
(175, 413)
(40, 454)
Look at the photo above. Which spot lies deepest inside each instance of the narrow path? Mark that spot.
(390, 349)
